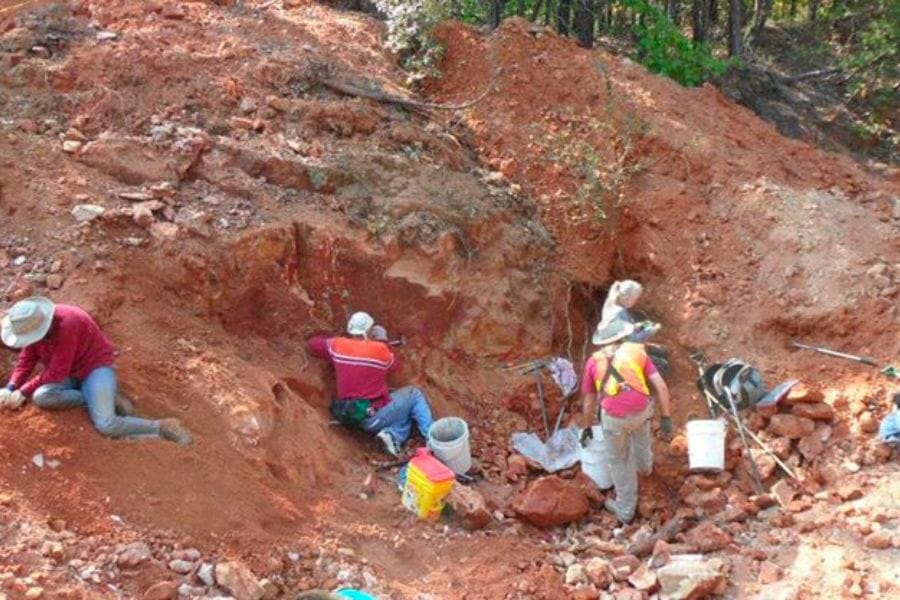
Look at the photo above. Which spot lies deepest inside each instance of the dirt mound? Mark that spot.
(230, 203)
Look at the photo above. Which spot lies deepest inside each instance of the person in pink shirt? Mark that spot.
(362, 363)
(623, 379)
(77, 369)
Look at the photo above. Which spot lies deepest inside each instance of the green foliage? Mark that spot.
(664, 49)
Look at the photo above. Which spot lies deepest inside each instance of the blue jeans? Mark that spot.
(407, 404)
(97, 391)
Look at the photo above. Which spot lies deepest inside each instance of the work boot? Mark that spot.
(389, 444)
(174, 431)
(610, 505)
(124, 405)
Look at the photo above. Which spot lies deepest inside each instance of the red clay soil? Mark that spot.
(283, 206)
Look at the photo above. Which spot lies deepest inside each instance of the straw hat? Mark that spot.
(612, 331)
(27, 322)
(360, 323)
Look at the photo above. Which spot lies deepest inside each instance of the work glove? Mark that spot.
(379, 333)
(665, 426)
(12, 400)
(587, 434)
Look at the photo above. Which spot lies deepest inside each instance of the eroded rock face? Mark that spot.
(550, 501)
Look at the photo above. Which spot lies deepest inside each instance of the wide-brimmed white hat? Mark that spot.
(612, 331)
(360, 323)
(27, 322)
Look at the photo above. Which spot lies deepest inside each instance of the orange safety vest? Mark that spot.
(629, 360)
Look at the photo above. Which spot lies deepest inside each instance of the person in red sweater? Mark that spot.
(362, 364)
(77, 362)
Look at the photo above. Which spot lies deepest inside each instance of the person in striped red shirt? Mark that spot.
(362, 363)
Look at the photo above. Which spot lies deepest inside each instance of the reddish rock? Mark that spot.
(583, 593)
(550, 501)
(783, 492)
(127, 160)
(817, 411)
(623, 566)
(867, 422)
(629, 594)
(781, 520)
(765, 464)
(802, 393)
(878, 540)
(791, 426)
(588, 486)
(172, 10)
(644, 579)
(688, 577)
(707, 537)
(811, 446)
(469, 506)
(780, 447)
(849, 490)
(164, 590)
(133, 555)
(599, 572)
(239, 580)
(769, 572)
(516, 467)
(713, 500)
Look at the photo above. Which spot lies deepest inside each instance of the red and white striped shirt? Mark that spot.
(361, 367)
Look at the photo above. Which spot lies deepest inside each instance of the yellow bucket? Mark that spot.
(428, 481)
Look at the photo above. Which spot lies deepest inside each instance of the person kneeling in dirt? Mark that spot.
(362, 363)
(620, 375)
(77, 362)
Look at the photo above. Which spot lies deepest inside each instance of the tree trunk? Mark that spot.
(547, 12)
(496, 13)
(762, 9)
(536, 10)
(713, 13)
(793, 10)
(564, 17)
(584, 22)
(813, 9)
(673, 9)
(700, 19)
(520, 8)
(734, 27)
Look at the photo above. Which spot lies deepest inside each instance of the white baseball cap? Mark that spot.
(360, 323)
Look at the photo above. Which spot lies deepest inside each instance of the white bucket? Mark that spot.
(595, 461)
(448, 438)
(706, 445)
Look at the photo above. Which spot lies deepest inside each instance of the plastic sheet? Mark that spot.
(561, 451)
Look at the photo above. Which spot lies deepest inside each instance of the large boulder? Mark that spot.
(550, 501)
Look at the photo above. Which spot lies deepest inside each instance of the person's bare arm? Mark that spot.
(662, 394)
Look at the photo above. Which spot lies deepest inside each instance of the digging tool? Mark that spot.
(540, 390)
(860, 359)
(401, 341)
(562, 411)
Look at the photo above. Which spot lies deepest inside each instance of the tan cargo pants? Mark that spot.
(629, 448)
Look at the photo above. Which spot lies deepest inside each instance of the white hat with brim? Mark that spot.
(360, 323)
(27, 322)
(612, 331)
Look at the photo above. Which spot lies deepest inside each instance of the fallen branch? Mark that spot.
(378, 95)
(812, 75)
(667, 532)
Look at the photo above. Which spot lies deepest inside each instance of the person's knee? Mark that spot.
(46, 395)
(106, 426)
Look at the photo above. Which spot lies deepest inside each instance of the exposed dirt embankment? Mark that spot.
(181, 171)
